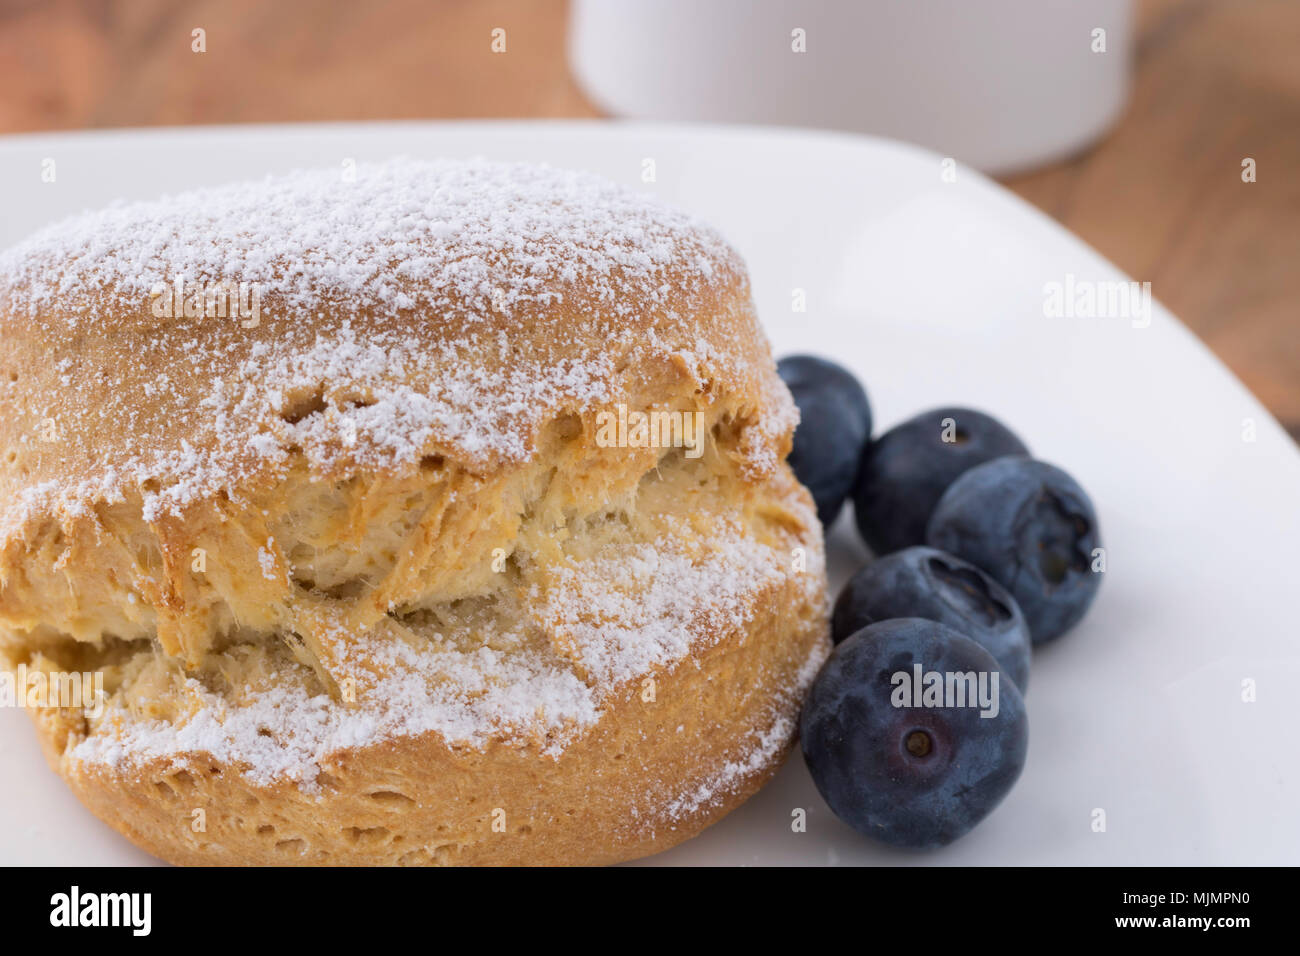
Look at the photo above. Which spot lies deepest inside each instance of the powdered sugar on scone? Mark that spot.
(397, 236)
(629, 614)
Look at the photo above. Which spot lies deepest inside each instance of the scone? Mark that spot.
(436, 513)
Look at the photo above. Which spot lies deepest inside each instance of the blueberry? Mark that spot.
(1033, 529)
(834, 425)
(905, 471)
(925, 582)
(912, 776)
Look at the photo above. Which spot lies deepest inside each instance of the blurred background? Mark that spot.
(1139, 151)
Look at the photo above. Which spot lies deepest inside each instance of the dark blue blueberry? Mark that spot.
(834, 425)
(906, 470)
(911, 776)
(925, 582)
(1033, 529)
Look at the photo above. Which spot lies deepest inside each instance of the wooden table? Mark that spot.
(1216, 81)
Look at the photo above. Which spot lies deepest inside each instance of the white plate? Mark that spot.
(933, 292)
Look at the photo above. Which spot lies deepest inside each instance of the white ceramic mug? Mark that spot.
(999, 84)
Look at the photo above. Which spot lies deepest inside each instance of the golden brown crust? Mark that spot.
(390, 498)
